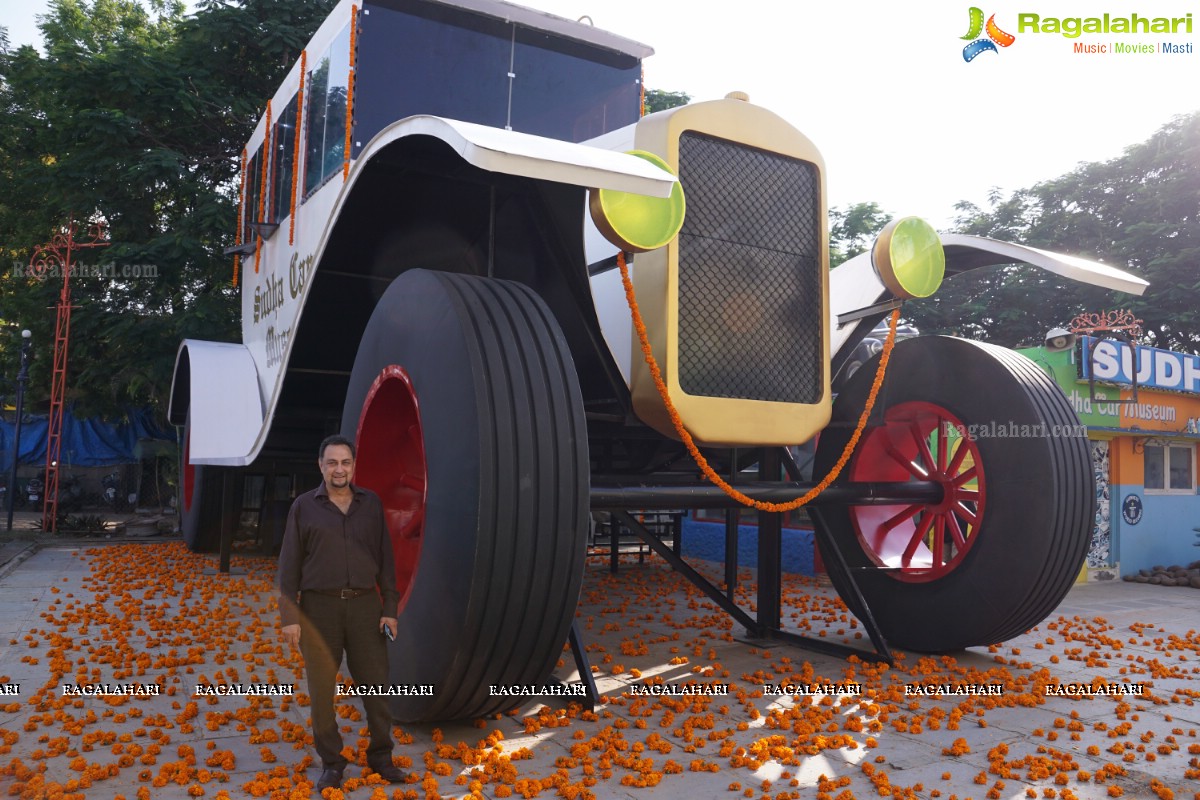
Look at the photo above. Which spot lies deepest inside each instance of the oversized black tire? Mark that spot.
(1000, 552)
(199, 501)
(466, 408)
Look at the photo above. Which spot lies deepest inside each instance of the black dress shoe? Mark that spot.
(390, 773)
(331, 778)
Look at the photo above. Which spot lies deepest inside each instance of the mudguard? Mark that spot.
(215, 390)
(855, 285)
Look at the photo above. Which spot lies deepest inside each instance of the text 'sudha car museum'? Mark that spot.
(436, 210)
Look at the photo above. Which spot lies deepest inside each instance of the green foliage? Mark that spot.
(1139, 212)
(68, 524)
(135, 115)
(658, 100)
(853, 230)
(86, 524)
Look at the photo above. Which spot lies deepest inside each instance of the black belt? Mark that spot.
(341, 594)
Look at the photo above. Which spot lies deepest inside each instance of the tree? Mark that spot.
(853, 230)
(1139, 212)
(136, 116)
(659, 100)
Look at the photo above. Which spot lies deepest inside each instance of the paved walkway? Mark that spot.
(147, 612)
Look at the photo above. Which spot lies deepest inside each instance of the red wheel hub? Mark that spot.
(920, 441)
(391, 463)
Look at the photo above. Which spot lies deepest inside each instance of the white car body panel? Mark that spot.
(276, 280)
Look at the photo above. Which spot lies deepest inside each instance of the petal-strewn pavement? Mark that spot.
(146, 613)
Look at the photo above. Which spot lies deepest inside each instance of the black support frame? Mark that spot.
(620, 498)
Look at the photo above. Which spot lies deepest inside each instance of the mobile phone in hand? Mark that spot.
(387, 631)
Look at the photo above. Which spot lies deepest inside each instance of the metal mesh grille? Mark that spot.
(750, 321)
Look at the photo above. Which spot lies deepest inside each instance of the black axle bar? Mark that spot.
(637, 496)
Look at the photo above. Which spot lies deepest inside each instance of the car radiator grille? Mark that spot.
(750, 310)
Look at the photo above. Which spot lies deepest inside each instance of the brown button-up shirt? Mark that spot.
(326, 549)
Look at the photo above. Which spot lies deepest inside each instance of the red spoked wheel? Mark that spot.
(391, 462)
(1005, 544)
(925, 442)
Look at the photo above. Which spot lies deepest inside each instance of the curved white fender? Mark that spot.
(854, 284)
(217, 384)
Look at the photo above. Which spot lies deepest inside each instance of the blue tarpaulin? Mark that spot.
(85, 442)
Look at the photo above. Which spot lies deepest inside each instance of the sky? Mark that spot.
(883, 90)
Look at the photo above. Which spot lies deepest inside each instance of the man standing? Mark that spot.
(335, 569)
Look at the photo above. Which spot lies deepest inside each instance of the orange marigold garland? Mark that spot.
(642, 107)
(686, 437)
(350, 92)
(262, 186)
(296, 147)
(241, 205)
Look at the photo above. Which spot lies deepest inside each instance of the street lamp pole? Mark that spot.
(22, 379)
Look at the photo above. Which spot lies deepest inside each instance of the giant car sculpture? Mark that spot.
(435, 213)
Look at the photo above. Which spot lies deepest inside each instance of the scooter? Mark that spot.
(34, 490)
(112, 492)
(70, 493)
(111, 483)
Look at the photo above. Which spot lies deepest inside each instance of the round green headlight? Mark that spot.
(909, 258)
(637, 222)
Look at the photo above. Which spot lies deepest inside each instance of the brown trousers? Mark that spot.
(330, 626)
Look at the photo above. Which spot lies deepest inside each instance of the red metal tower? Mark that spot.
(53, 256)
